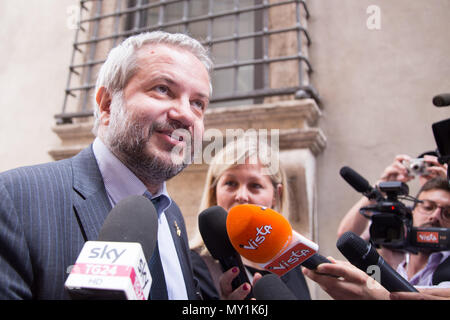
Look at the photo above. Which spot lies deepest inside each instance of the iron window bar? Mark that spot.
(88, 47)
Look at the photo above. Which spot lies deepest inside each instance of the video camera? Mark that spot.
(392, 224)
(441, 132)
(391, 219)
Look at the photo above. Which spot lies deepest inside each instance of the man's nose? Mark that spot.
(182, 112)
(435, 217)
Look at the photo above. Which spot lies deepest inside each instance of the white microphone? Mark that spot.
(110, 270)
(115, 267)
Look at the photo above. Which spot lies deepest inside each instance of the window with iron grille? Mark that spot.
(259, 47)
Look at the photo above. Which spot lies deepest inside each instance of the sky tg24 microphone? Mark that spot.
(115, 267)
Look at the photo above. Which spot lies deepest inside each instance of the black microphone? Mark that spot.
(212, 224)
(360, 184)
(115, 267)
(271, 287)
(442, 100)
(363, 255)
(315, 260)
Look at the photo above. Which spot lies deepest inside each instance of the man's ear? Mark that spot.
(103, 99)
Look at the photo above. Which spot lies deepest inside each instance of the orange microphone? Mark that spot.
(264, 236)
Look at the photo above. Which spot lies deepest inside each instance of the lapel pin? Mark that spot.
(176, 227)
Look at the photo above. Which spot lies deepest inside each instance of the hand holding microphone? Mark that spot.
(212, 227)
(353, 282)
(364, 256)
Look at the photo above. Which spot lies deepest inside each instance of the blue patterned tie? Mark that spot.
(158, 290)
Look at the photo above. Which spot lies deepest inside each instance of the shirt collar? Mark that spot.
(435, 257)
(120, 182)
(440, 256)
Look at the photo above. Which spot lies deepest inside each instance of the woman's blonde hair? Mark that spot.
(238, 152)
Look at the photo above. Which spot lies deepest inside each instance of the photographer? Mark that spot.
(396, 171)
(432, 209)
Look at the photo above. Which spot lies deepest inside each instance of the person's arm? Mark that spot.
(423, 294)
(353, 220)
(343, 281)
(16, 274)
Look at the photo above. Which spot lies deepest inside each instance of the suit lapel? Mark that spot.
(91, 205)
(90, 200)
(178, 232)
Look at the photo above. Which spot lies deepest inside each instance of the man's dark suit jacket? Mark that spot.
(47, 212)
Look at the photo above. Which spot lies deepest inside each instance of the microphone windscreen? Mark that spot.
(355, 179)
(133, 219)
(271, 287)
(212, 224)
(442, 100)
(355, 249)
(257, 233)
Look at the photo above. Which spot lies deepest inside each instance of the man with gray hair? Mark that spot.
(151, 85)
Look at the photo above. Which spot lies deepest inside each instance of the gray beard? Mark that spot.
(127, 139)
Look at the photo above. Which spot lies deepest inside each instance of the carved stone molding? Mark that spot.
(74, 138)
(294, 118)
(281, 115)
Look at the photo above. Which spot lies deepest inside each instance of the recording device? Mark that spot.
(392, 225)
(360, 184)
(271, 287)
(264, 236)
(212, 227)
(416, 167)
(391, 219)
(436, 239)
(442, 100)
(363, 255)
(115, 267)
(441, 132)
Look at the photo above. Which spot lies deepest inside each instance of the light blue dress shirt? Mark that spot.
(120, 183)
(424, 278)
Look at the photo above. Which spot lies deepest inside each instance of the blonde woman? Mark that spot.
(245, 171)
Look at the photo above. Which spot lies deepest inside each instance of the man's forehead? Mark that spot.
(435, 193)
(161, 50)
(166, 53)
(182, 59)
